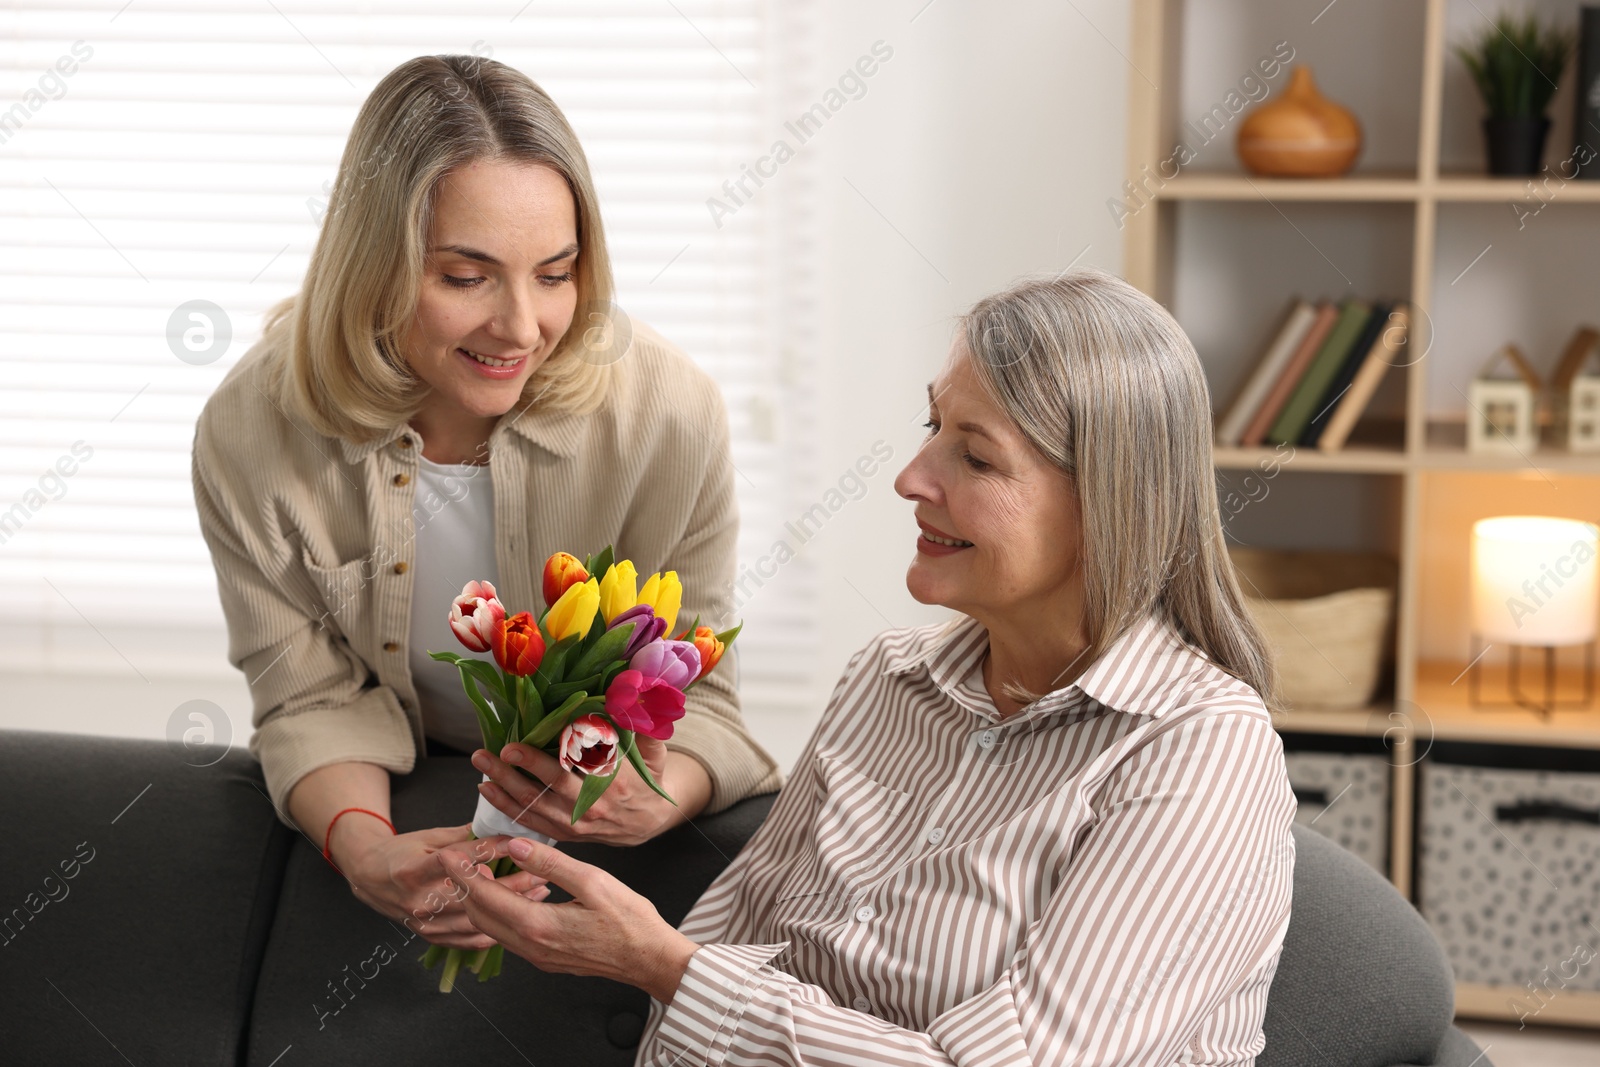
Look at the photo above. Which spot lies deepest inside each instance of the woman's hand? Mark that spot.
(397, 876)
(606, 929)
(627, 813)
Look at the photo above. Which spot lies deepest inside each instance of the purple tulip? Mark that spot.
(677, 663)
(646, 628)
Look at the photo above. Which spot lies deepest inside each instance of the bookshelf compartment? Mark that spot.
(1238, 265)
(1451, 501)
(1363, 54)
(1499, 277)
(1461, 147)
(1297, 509)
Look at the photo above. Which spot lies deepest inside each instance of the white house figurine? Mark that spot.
(1575, 393)
(1504, 405)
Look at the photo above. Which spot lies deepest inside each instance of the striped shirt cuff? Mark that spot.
(712, 994)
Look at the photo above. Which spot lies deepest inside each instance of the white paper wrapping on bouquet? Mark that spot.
(490, 821)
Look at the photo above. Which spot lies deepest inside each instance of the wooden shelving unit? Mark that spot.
(1429, 700)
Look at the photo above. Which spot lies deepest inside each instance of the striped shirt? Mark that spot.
(1102, 877)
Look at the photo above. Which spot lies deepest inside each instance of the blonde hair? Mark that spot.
(338, 340)
(1106, 386)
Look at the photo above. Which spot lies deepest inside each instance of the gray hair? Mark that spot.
(1103, 382)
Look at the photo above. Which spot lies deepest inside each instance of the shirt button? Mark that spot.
(865, 913)
(390, 646)
(935, 835)
(402, 479)
(986, 740)
(401, 567)
(861, 1004)
(404, 442)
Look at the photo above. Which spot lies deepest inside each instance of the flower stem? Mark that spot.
(452, 965)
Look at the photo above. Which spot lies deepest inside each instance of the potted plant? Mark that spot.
(1516, 64)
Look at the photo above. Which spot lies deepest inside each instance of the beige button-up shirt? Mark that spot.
(312, 536)
(1103, 877)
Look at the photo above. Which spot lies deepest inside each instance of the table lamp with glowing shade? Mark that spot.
(1534, 585)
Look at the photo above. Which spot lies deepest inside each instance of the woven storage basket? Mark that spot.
(1329, 618)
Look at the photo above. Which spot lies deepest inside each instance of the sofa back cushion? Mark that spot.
(139, 883)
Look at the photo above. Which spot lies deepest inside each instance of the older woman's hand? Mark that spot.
(398, 876)
(627, 813)
(606, 929)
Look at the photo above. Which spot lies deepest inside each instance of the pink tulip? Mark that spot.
(677, 663)
(475, 615)
(589, 744)
(646, 705)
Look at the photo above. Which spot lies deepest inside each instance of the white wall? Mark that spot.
(990, 141)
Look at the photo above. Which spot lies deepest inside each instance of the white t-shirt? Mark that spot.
(454, 516)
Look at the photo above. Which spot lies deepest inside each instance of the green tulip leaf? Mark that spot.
(550, 726)
(494, 735)
(562, 690)
(529, 704)
(607, 648)
(599, 563)
(632, 750)
(589, 792)
(549, 671)
(488, 676)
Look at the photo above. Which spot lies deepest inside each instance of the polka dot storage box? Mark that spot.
(1508, 864)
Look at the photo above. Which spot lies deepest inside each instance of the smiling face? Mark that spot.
(497, 295)
(1000, 528)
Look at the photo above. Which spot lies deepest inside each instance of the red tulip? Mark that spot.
(561, 571)
(518, 645)
(475, 615)
(646, 705)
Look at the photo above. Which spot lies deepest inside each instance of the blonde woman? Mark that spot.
(451, 397)
(1054, 831)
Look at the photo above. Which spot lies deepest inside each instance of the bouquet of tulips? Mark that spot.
(594, 669)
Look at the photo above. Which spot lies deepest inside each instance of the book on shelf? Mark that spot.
(1353, 361)
(1284, 344)
(1302, 404)
(1256, 429)
(1374, 364)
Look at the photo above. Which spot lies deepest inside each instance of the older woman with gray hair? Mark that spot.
(1054, 830)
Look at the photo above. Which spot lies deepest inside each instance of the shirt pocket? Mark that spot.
(342, 591)
(848, 841)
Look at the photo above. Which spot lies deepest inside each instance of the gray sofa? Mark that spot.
(156, 912)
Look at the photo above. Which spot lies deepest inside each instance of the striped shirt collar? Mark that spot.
(1135, 675)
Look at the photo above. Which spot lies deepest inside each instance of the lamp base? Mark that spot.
(1547, 701)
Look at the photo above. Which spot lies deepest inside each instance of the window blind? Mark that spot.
(158, 153)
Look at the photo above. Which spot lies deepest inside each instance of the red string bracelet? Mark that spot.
(327, 838)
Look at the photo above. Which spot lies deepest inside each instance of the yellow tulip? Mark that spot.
(619, 589)
(574, 612)
(664, 594)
